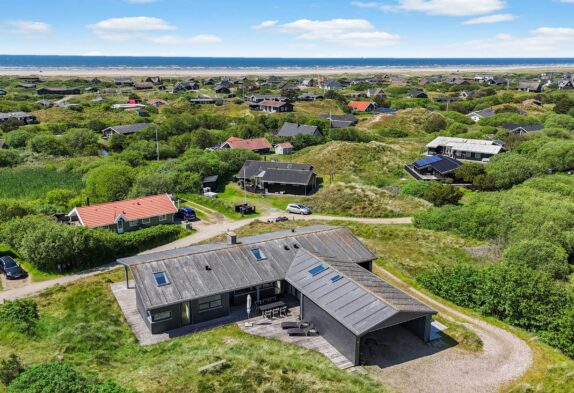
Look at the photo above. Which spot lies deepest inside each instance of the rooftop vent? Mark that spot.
(296, 246)
(286, 247)
(231, 238)
(207, 268)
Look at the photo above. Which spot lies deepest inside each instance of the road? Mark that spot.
(205, 230)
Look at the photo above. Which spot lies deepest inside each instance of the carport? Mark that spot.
(346, 303)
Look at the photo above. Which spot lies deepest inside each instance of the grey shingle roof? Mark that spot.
(253, 168)
(292, 129)
(358, 299)
(234, 267)
(128, 129)
(286, 176)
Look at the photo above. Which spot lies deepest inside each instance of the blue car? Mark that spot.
(11, 269)
(188, 214)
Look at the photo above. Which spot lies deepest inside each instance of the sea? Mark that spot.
(16, 62)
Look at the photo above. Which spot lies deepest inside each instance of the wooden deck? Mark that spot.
(272, 329)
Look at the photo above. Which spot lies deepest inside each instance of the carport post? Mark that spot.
(127, 277)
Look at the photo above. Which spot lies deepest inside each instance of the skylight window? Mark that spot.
(258, 254)
(336, 278)
(161, 279)
(317, 269)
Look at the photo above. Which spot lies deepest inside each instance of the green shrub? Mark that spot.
(416, 189)
(59, 378)
(443, 194)
(540, 255)
(110, 182)
(10, 369)
(49, 144)
(21, 314)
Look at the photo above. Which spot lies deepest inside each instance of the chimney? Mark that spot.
(231, 238)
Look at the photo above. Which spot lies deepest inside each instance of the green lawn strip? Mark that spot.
(36, 274)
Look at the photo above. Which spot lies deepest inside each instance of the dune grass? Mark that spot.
(34, 182)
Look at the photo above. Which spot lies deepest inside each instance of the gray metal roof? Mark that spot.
(234, 267)
(359, 300)
(292, 129)
(128, 129)
(15, 115)
(286, 176)
(252, 168)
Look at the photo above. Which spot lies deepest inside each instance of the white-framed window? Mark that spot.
(210, 303)
(134, 223)
(145, 220)
(160, 316)
(163, 217)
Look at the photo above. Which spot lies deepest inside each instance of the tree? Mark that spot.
(540, 255)
(416, 189)
(563, 105)
(10, 369)
(109, 182)
(49, 144)
(82, 141)
(469, 171)
(443, 194)
(435, 122)
(510, 168)
(17, 138)
(8, 158)
(11, 125)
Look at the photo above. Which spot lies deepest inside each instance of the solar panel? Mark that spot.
(336, 278)
(317, 269)
(428, 161)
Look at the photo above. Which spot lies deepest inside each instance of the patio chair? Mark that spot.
(276, 312)
(283, 311)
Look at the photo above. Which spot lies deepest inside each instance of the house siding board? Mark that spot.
(332, 330)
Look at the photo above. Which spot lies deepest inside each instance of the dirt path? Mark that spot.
(204, 231)
(503, 359)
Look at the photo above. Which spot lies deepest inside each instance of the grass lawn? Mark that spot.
(82, 325)
(36, 274)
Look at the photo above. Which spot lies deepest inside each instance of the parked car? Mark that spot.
(11, 269)
(298, 208)
(187, 213)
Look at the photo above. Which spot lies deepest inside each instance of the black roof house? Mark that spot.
(328, 265)
(289, 130)
(125, 129)
(436, 167)
(520, 129)
(277, 177)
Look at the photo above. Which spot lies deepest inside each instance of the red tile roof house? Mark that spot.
(362, 106)
(257, 145)
(275, 106)
(127, 215)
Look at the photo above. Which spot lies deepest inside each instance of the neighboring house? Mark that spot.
(376, 93)
(362, 106)
(481, 114)
(497, 81)
(445, 99)
(418, 94)
(126, 106)
(128, 215)
(23, 117)
(44, 103)
(275, 107)
(289, 130)
(332, 84)
(464, 149)
(530, 86)
(156, 80)
(205, 101)
(144, 86)
(26, 85)
(522, 129)
(123, 82)
(566, 84)
(340, 121)
(257, 145)
(467, 94)
(310, 97)
(432, 79)
(220, 89)
(326, 270)
(283, 148)
(437, 167)
(210, 182)
(98, 100)
(156, 102)
(181, 87)
(3, 92)
(357, 95)
(257, 98)
(30, 79)
(387, 111)
(277, 177)
(64, 91)
(3, 144)
(124, 130)
(305, 83)
(396, 80)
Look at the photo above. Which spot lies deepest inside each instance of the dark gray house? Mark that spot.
(124, 130)
(325, 268)
(23, 117)
(289, 130)
(64, 91)
(340, 121)
(277, 177)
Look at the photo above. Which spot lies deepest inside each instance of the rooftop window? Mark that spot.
(336, 278)
(317, 269)
(161, 279)
(258, 254)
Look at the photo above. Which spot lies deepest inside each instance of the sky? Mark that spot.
(289, 28)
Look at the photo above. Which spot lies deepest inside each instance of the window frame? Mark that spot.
(146, 220)
(213, 303)
(163, 273)
(163, 217)
(258, 253)
(152, 317)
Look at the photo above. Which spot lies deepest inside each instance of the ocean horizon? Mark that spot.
(142, 62)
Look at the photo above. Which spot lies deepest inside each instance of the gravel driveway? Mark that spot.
(504, 358)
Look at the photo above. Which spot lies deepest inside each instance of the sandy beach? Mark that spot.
(235, 72)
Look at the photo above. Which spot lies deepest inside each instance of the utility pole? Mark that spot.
(157, 143)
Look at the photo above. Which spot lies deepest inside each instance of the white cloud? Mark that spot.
(196, 39)
(265, 25)
(348, 32)
(439, 7)
(496, 18)
(543, 39)
(28, 27)
(137, 23)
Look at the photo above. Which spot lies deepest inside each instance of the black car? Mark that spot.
(11, 269)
